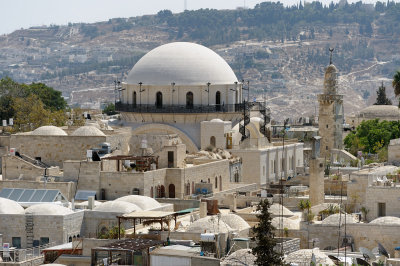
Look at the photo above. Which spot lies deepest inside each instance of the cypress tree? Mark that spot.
(265, 237)
(381, 98)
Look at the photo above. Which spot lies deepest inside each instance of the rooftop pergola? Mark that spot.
(156, 216)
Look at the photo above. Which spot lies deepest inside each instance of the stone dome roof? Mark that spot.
(235, 221)
(334, 219)
(209, 224)
(10, 207)
(143, 202)
(380, 111)
(183, 63)
(386, 220)
(304, 256)
(48, 209)
(216, 120)
(49, 131)
(88, 131)
(331, 80)
(240, 257)
(117, 206)
(276, 209)
(287, 223)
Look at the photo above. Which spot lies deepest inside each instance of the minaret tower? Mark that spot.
(331, 117)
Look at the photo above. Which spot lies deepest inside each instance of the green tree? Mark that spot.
(52, 99)
(265, 237)
(381, 98)
(396, 84)
(109, 109)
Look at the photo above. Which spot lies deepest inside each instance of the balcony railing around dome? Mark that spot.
(151, 108)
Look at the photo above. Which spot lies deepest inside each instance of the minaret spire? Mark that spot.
(331, 51)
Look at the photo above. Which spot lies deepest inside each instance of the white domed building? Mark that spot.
(39, 224)
(179, 85)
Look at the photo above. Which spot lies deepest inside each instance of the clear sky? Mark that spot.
(18, 14)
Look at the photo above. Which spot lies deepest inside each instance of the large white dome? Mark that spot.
(183, 63)
(143, 202)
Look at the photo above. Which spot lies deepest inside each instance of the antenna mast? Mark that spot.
(184, 5)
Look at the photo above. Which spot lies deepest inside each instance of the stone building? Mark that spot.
(381, 112)
(330, 119)
(39, 224)
(188, 90)
(52, 145)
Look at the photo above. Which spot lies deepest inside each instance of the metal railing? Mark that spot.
(152, 108)
(20, 255)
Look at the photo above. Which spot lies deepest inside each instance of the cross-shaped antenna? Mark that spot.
(331, 51)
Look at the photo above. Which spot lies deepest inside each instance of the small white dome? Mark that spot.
(240, 257)
(10, 207)
(386, 220)
(304, 256)
(276, 209)
(286, 223)
(117, 206)
(184, 63)
(49, 131)
(143, 202)
(48, 209)
(209, 224)
(334, 219)
(235, 221)
(216, 120)
(88, 131)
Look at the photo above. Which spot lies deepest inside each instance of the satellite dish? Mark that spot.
(382, 250)
(367, 254)
(334, 259)
(362, 262)
(375, 250)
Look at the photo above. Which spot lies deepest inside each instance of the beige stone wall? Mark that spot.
(388, 195)
(14, 167)
(214, 129)
(57, 228)
(179, 151)
(66, 188)
(262, 166)
(54, 150)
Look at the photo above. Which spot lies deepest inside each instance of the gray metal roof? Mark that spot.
(32, 195)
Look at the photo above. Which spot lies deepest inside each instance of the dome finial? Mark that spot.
(331, 51)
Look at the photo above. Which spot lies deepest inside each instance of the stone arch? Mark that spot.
(157, 127)
(134, 99)
(171, 191)
(159, 99)
(213, 142)
(189, 100)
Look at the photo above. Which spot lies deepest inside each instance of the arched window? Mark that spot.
(134, 99)
(218, 100)
(216, 182)
(151, 192)
(189, 100)
(171, 191)
(209, 180)
(159, 101)
(212, 142)
(188, 189)
(192, 187)
(162, 191)
(220, 183)
(158, 191)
